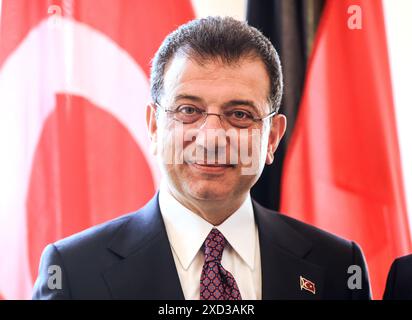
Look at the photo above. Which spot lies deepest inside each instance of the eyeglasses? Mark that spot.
(189, 114)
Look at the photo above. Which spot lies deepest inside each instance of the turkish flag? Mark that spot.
(342, 169)
(307, 285)
(73, 91)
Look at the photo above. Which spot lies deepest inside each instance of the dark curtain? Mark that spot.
(291, 26)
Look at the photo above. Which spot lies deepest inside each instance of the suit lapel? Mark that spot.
(282, 251)
(147, 269)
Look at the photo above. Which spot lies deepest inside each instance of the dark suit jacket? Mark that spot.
(399, 282)
(131, 258)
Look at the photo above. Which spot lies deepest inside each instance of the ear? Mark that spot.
(277, 130)
(151, 121)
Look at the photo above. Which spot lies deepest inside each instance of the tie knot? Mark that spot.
(213, 246)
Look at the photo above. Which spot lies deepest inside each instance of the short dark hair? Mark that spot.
(218, 37)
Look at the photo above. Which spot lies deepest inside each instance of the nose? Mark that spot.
(211, 137)
(211, 121)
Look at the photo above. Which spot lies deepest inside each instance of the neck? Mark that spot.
(213, 211)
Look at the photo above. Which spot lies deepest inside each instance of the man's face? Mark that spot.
(212, 86)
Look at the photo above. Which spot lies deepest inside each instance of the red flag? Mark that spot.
(73, 90)
(342, 171)
(307, 285)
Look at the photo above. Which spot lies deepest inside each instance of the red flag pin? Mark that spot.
(307, 285)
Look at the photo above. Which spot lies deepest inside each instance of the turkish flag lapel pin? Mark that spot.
(307, 285)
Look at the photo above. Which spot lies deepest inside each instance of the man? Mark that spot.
(216, 85)
(399, 282)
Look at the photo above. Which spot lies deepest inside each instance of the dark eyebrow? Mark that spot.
(231, 103)
(187, 97)
(240, 102)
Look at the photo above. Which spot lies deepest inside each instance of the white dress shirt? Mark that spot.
(187, 231)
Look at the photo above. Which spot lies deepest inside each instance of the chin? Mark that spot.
(208, 192)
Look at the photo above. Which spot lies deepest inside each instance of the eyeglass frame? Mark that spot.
(205, 114)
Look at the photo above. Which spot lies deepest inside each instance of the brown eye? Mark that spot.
(187, 113)
(187, 110)
(240, 115)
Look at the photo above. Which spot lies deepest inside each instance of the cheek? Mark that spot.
(171, 143)
(257, 153)
(256, 142)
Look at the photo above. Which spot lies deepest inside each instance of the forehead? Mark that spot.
(217, 82)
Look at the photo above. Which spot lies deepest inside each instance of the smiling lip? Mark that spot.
(211, 168)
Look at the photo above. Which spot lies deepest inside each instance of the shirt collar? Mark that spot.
(187, 231)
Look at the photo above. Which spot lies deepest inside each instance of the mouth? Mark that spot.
(211, 167)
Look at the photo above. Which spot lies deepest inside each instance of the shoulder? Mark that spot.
(315, 245)
(95, 236)
(84, 257)
(129, 227)
(403, 268)
(316, 236)
(399, 281)
(405, 262)
(335, 256)
(78, 259)
(86, 251)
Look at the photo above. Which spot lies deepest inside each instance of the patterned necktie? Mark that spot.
(216, 283)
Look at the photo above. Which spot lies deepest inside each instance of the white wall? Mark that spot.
(398, 29)
(233, 8)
